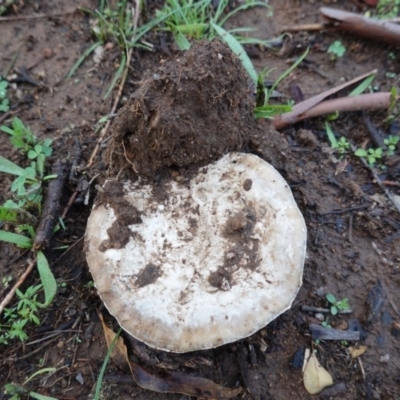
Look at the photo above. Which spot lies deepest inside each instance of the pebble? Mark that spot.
(319, 316)
(79, 378)
(385, 358)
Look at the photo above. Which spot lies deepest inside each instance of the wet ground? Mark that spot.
(353, 230)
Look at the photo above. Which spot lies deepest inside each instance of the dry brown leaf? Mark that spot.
(119, 353)
(357, 352)
(316, 378)
(173, 382)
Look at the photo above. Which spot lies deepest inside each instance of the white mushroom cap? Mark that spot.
(211, 263)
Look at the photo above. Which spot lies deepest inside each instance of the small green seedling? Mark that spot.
(6, 281)
(263, 107)
(17, 317)
(4, 102)
(391, 143)
(18, 392)
(337, 305)
(342, 145)
(371, 155)
(27, 187)
(336, 49)
(326, 324)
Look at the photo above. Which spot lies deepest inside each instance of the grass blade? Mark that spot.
(15, 238)
(331, 137)
(270, 110)
(116, 76)
(38, 396)
(286, 73)
(238, 49)
(362, 86)
(104, 366)
(46, 276)
(82, 58)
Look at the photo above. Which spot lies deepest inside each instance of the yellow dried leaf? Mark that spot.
(119, 353)
(357, 352)
(316, 378)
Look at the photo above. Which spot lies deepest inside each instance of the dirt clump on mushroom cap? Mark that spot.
(194, 108)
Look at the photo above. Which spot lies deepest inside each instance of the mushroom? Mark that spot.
(201, 263)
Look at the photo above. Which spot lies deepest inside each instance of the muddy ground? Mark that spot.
(353, 231)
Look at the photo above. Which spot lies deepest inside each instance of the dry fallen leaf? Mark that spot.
(119, 353)
(170, 382)
(316, 378)
(357, 352)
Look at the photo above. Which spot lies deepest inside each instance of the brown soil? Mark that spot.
(353, 230)
(193, 108)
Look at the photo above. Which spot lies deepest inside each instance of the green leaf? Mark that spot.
(238, 49)
(32, 154)
(360, 153)
(6, 129)
(12, 388)
(47, 278)
(9, 167)
(14, 238)
(180, 39)
(334, 310)
(8, 214)
(331, 298)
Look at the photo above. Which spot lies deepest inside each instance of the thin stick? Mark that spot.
(280, 121)
(20, 281)
(323, 310)
(49, 214)
(367, 101)
(119, 94)
(320, 26)
(304, 27)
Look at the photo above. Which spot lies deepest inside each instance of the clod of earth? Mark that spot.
(210, 262)
(192, 109)
(192, 244)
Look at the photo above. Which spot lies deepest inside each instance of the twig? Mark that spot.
(319, 332)
(362, 26)
(20, 281)
(49, 213)
(373, 132)
(323, 310)
(299, 109)
(351, 228)
(304, 27)
(367, 101)
(119, 94)
(70, 248)
(320, 26)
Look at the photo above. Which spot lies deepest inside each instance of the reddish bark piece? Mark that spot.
(362, 26)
